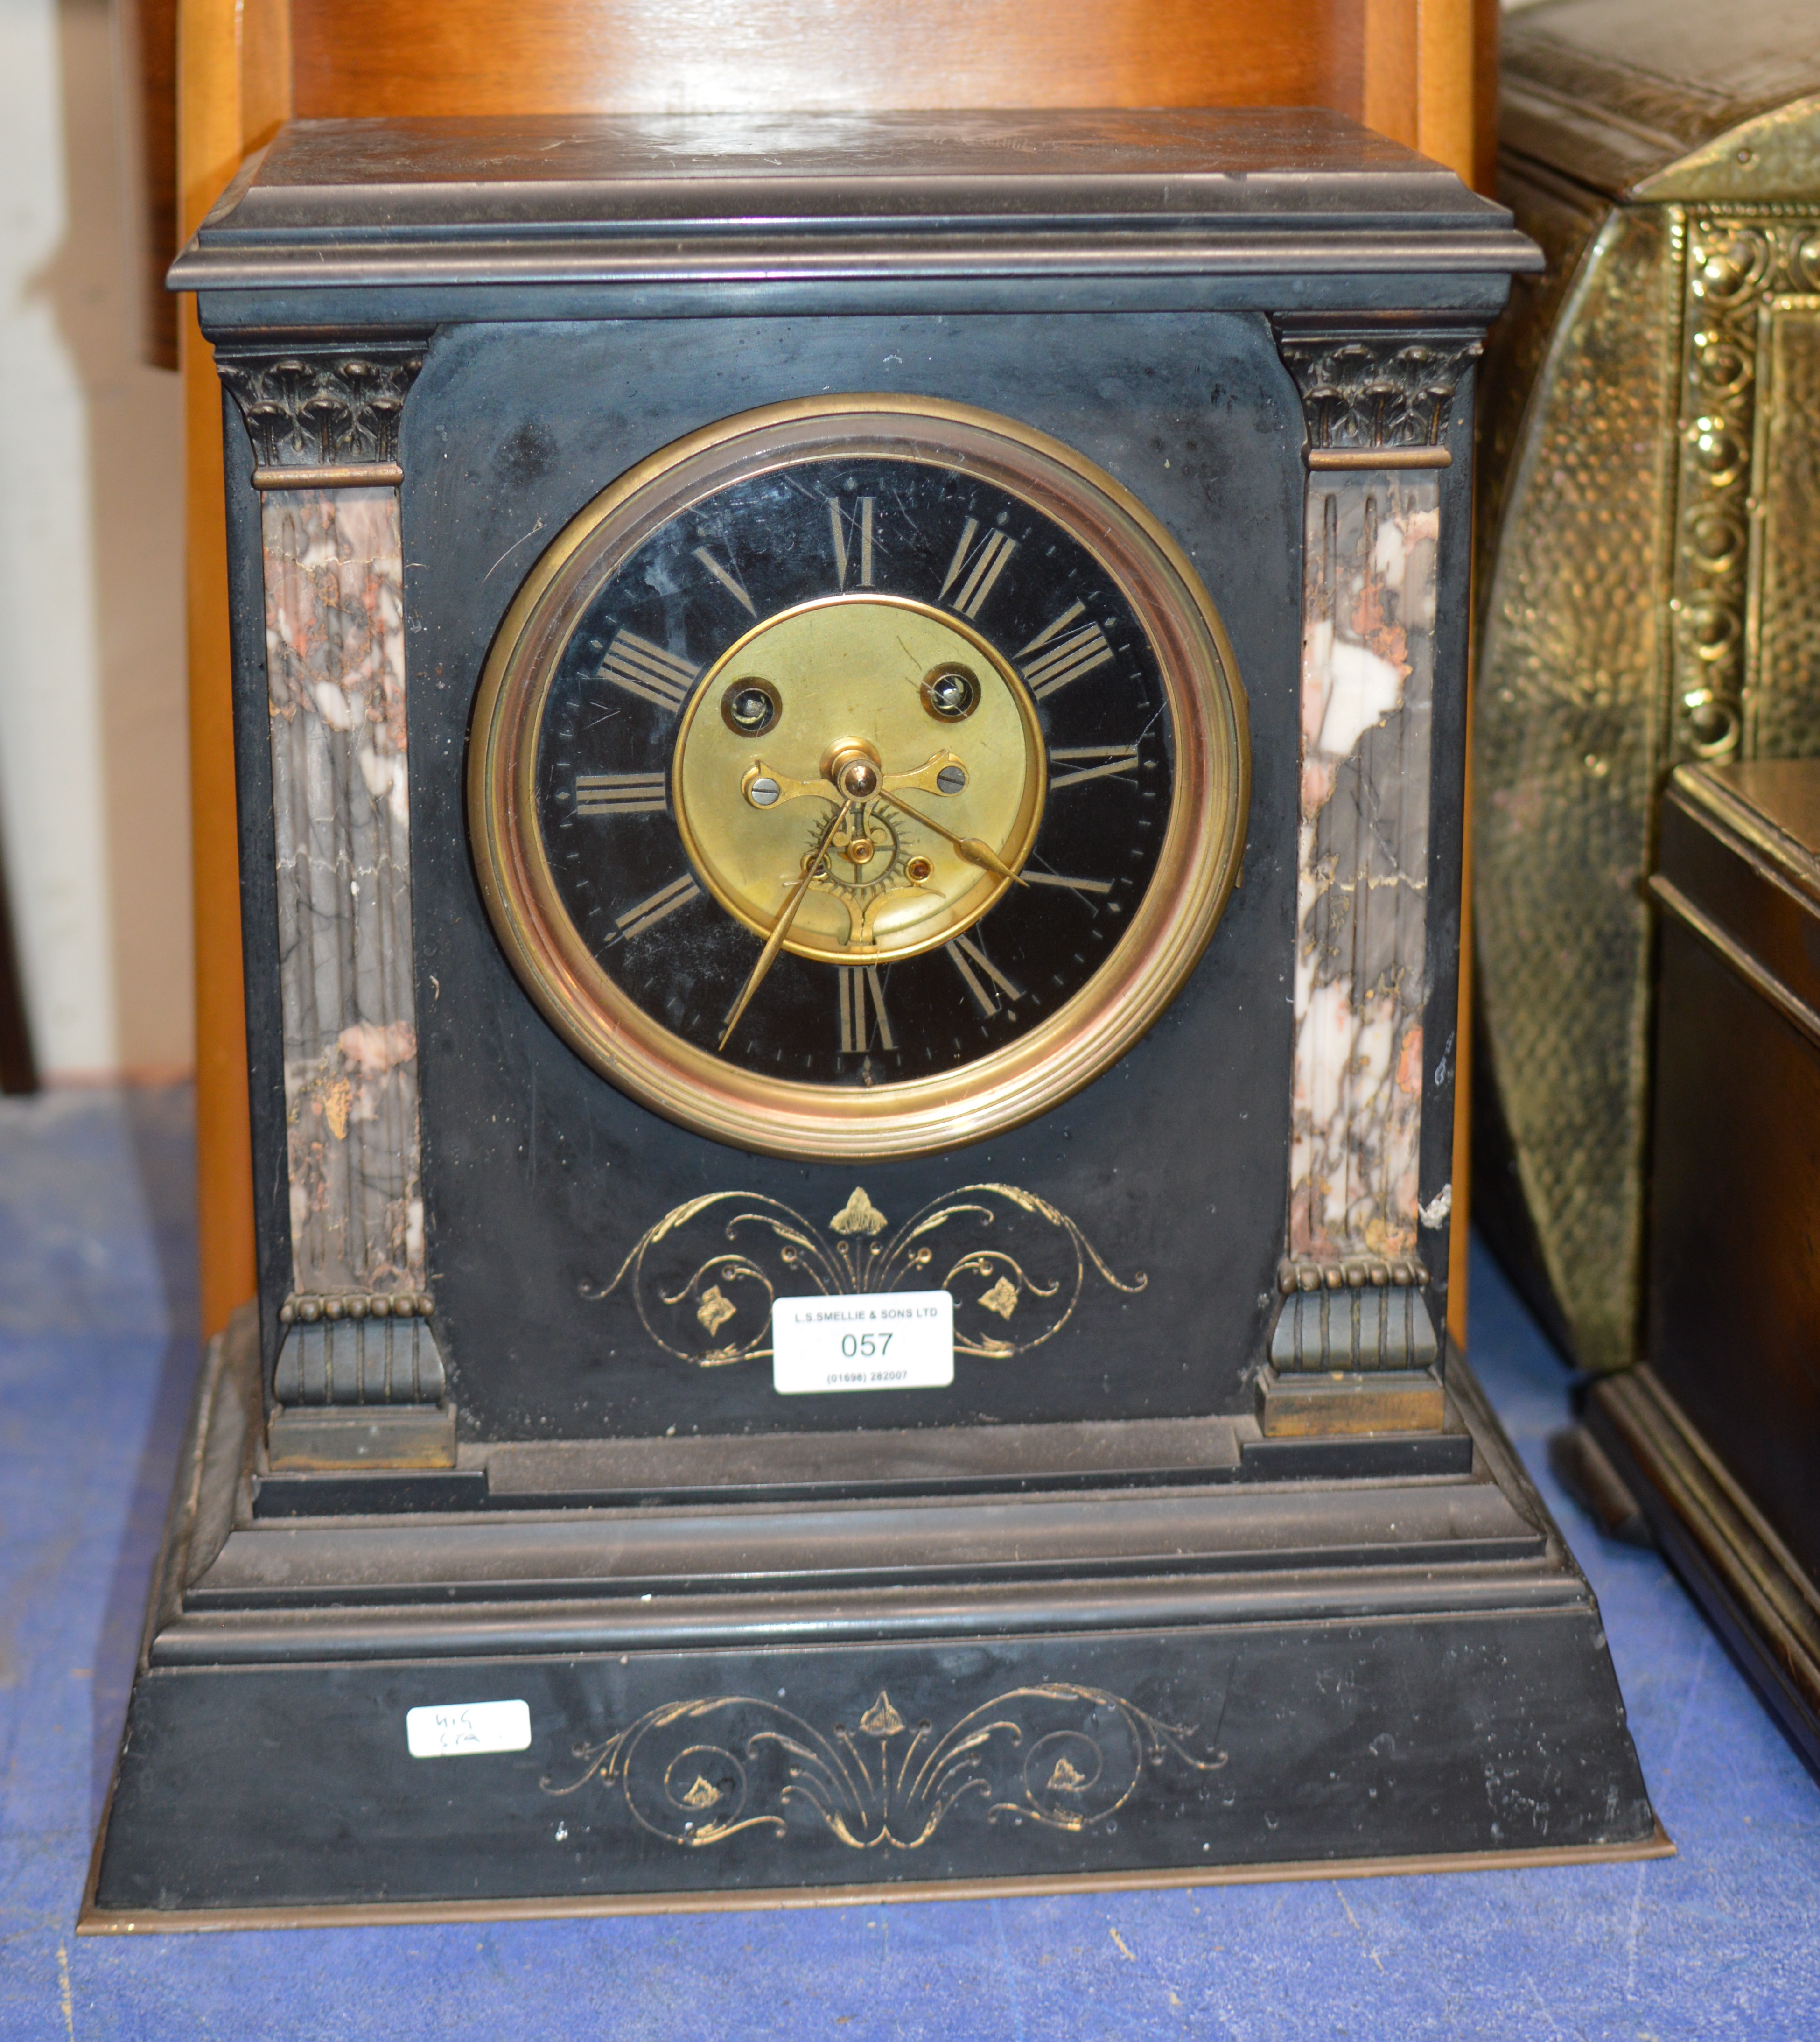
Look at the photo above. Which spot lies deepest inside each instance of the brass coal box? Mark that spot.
(1648, 571)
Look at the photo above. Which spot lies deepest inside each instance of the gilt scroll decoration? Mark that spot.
(703, 1278)
(1062, 1756)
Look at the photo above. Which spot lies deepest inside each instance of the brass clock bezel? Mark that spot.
(1168, 932)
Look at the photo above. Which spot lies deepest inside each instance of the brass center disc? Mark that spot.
(848, 675)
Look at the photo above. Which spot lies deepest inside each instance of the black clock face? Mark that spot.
(857, 776)
(857, 697)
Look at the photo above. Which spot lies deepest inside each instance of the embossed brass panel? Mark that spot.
(1783, 697)
(1569, 753)
(1649, 577)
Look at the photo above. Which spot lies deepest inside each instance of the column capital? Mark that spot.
(1369, 389)
(323, 418)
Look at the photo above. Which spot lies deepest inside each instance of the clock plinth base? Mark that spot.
(384, 1435)
(1306, 1406)
(1186, 1655)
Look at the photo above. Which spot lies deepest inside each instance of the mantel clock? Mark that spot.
(850, 754)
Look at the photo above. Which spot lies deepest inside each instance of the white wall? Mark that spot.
(93, 777)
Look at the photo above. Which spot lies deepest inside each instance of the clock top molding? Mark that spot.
(1296, 209)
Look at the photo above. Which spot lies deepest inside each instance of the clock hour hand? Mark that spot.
(971, 848)
(781, 929)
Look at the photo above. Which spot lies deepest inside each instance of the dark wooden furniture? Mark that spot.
(1717, 1435)
(18, 1068)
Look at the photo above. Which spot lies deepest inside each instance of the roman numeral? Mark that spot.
(1063, 658)
(620, 795)
(727, 579)
(863, 1018)
(858, 521)
(1055, 879)
(966, 956)
(678, 893)
(1082, 762)
(975, 569)
(641, 668)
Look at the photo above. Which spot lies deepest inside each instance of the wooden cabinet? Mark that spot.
(1716, 1433)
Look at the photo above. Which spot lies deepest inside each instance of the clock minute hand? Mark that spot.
(971, 848)
(781, 927)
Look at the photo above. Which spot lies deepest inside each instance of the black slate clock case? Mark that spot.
(1093, 1616)
(532, 1164)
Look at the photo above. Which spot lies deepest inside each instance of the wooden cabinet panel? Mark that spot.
(564, 56)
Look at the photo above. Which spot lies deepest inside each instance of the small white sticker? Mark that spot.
(463, 1727)
(904, 1340)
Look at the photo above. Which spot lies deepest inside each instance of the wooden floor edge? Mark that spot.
(399, 1914)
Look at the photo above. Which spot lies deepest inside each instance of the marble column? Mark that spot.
(325, 436)
(1361, 984)
(1376, 406)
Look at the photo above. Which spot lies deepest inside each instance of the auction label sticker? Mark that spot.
(466, 1728)
(903, 1339)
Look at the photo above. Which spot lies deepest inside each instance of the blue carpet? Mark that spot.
(97, 1318)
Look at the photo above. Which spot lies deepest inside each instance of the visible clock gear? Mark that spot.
(866, 858)
(862, 866)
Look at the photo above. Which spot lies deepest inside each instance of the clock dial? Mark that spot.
(936, 646)
(835, 786)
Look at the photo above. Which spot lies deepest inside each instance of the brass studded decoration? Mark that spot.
(1751, 383)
